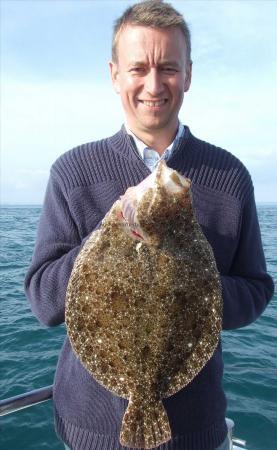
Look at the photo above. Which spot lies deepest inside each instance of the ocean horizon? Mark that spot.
(39, 205)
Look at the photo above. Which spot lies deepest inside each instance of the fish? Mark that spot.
(144, 303)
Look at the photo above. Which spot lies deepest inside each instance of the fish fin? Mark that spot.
(145, 424)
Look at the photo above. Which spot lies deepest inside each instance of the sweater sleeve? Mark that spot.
(57, 245)
(247, 288)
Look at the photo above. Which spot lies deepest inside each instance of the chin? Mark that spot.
(157, 126)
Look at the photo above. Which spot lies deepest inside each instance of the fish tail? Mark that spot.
(145, 424)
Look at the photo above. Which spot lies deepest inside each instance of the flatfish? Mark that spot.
(144, 304)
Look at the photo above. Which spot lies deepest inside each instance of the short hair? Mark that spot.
(153, 14)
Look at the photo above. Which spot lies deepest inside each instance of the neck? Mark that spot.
(158, 140)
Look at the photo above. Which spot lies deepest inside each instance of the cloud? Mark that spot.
(24, 186)
(40, 121)
(57, 39)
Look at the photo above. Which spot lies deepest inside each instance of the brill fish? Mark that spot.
(144, 303)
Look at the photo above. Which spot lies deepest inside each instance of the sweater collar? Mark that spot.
(141, 146)
(125, 144)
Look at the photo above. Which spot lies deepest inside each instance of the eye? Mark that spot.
(137, 70)
(169, 70)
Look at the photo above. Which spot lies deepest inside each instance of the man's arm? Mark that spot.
(57, 245)
(248, 288)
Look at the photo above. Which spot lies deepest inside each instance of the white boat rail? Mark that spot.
(18, 402)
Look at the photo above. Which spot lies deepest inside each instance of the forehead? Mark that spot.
(142, 43)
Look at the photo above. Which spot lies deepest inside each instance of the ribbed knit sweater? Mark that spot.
(83, 185)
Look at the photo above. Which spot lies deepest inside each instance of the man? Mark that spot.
(151, 71)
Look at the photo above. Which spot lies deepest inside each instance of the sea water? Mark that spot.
(29, 351)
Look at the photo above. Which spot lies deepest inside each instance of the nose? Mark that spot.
(153, 82)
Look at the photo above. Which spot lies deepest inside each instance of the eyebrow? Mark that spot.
(136, 63)
(162, 63)
(169, 63)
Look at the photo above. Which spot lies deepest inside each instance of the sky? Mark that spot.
(56, 91)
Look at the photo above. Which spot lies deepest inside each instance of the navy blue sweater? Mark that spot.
(83, 185)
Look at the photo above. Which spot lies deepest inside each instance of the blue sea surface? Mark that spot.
(29, 351)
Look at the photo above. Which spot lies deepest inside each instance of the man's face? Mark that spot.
(151, 76)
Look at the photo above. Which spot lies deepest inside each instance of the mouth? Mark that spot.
(154, 103)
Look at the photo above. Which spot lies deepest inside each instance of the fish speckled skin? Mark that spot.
(144, 316)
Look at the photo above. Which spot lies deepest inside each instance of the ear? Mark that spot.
(114, 76)
(188, 77)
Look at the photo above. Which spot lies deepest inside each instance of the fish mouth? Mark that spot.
(171, 179)
(164, 177)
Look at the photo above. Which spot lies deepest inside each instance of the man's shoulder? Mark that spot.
(215, 154)
(87, 155)
(85, 164)
(80, 153)
(219, 169)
